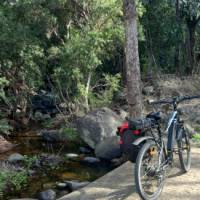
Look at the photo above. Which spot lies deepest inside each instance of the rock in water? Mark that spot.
(72, 156)
(47, 195)
(91, 160)
(61, 186)
(108, 149)
(98, 125)
(75, 185)
(16, 157)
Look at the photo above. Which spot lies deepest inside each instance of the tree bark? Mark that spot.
(191, 45)
(191, 41)
(134, 97)
(178, 45)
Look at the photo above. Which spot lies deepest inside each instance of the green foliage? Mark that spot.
(69, 47)
(55, 44)
(190, 8)
(196, 137)
(5, 128)
(111, 85)
(12, 180)
(29, 161)
(70, 134)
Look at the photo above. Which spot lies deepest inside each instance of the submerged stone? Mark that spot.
(47, 195)
(91, 160)
(75, 185)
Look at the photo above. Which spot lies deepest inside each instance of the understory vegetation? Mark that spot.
(12, 180)
(74, 50)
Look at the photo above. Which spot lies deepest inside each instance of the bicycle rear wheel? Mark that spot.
(184, 150)
(149, 177)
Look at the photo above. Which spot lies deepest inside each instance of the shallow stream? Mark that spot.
(70, 170)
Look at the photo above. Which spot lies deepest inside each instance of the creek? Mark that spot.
(31, 145)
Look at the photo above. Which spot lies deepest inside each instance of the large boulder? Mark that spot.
(108, 149)
(98, 125)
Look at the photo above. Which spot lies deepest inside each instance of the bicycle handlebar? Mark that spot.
(174, 100)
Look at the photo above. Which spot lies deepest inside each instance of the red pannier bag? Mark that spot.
(129, 132)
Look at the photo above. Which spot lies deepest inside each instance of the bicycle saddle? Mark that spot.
(154, 115)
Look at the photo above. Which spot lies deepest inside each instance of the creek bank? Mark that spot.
(5, 145)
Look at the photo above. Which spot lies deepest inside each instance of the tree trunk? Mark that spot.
(178, 45)
(87, 92)
(191, 45)
(132, 59)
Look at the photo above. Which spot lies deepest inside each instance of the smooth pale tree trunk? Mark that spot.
(132, 59)
(87, 91)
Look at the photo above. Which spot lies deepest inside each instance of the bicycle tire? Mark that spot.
(140, 190)
(184, 139)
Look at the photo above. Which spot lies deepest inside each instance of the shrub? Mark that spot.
(196, 137)
(11, 179)
(70, 134)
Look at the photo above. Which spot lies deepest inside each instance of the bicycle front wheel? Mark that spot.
(184, 150)
(149, 176)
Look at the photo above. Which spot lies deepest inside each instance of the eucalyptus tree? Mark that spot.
(132, 59)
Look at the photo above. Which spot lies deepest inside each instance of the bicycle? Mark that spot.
(155, 157)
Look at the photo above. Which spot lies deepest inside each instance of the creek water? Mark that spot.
(69, 170)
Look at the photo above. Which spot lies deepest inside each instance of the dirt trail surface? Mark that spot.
(119, 184)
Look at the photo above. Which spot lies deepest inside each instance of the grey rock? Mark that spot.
(98, 125)
(108, 149)
(148, 90)
(72, 156)
(75, 185)
(47, 195)
(61, 186)
(16, 157)
(91, 160)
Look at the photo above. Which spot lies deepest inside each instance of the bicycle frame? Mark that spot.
(171, 131)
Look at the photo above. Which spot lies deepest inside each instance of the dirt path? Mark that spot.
(119, 184)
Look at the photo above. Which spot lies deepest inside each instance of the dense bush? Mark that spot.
(75, 49)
